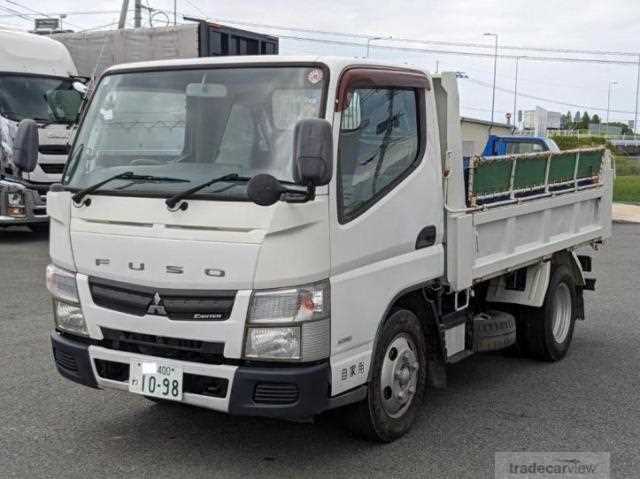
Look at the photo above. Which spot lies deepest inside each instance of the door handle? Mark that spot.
(426, 237)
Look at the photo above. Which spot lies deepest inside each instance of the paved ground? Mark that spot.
(589, 402)
(626, 213)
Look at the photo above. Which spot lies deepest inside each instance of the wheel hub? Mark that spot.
(399, 376)
(561, 313)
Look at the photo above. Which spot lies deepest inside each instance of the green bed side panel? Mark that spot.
(492, 176)
(590, 164)
(530, 172)
(562, 167)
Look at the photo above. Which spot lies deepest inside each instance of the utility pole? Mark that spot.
(437, 65)
(495, 66)
(635, 118)
(369, 40)
(611, 83)
(515, 92)
(123, 14)
(175, 12)
(137, 14)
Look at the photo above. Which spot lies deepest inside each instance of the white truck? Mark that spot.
(283, 236)
(37, 79)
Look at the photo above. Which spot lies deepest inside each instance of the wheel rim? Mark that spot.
(561, 312)
(399, 376)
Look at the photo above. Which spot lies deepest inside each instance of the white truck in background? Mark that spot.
(282, 236)
(37, 79)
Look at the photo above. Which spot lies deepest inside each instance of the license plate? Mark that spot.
(152, 378)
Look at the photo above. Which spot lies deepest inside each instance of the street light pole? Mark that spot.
(369, 40)
(515, 92)
(611, 83)
(495, 66)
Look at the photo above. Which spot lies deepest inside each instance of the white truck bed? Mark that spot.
(490, 240)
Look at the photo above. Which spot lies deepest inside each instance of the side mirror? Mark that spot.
(25, 146)
(312, 152)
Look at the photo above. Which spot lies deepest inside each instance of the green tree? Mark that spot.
(576, 117)
(584, 121)
(567, 121)
(595, 119)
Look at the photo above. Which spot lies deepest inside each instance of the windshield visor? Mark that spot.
(196, 125)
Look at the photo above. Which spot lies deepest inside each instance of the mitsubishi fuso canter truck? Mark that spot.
(280, 236)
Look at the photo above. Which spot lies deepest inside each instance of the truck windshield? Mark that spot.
(195, 124)
(44, 99)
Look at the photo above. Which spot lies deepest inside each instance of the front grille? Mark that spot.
(54, 149)
(178, 305)
(192, 383)
(164, 347)
(276, 393)
(65, 360)
(52, 168)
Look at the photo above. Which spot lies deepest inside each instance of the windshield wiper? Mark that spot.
(175, 199)
(127, 175)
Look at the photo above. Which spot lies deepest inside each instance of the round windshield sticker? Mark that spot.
(314, 76)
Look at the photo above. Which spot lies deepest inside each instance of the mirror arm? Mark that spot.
(294, 196)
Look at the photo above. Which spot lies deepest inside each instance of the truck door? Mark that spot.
(386, 210)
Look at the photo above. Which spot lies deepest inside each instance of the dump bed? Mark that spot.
(520, 209)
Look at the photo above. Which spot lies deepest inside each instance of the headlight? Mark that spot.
(290, 324)
(68, 317)
(273, 343)
(62, 284)
(15, 203)
(67, 312)
(15, 199)
(304, 303)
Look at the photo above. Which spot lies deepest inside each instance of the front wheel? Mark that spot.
(398, 381)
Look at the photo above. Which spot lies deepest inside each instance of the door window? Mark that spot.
(379, 145)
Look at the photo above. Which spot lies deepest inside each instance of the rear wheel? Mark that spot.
(548, 331)
(398, 381)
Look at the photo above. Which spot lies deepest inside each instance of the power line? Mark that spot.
(431, 42)
(360, 35)
(547, 100)
(538, 58)
(197, 8)
(15, 13)
(12, 2)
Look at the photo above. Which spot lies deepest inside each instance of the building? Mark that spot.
(476, 132)
(541, 120)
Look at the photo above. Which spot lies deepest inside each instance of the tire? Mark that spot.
(397, 383)
(548, 331)
(493, 331)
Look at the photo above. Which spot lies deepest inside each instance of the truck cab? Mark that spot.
(509, 145)
(37, 79)
(283, 236)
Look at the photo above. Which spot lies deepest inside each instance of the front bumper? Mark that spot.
(22, 221)
(280, 392)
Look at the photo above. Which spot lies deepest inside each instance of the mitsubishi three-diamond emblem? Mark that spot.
(156, 307)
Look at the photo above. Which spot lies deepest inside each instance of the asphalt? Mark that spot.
(52, 428)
